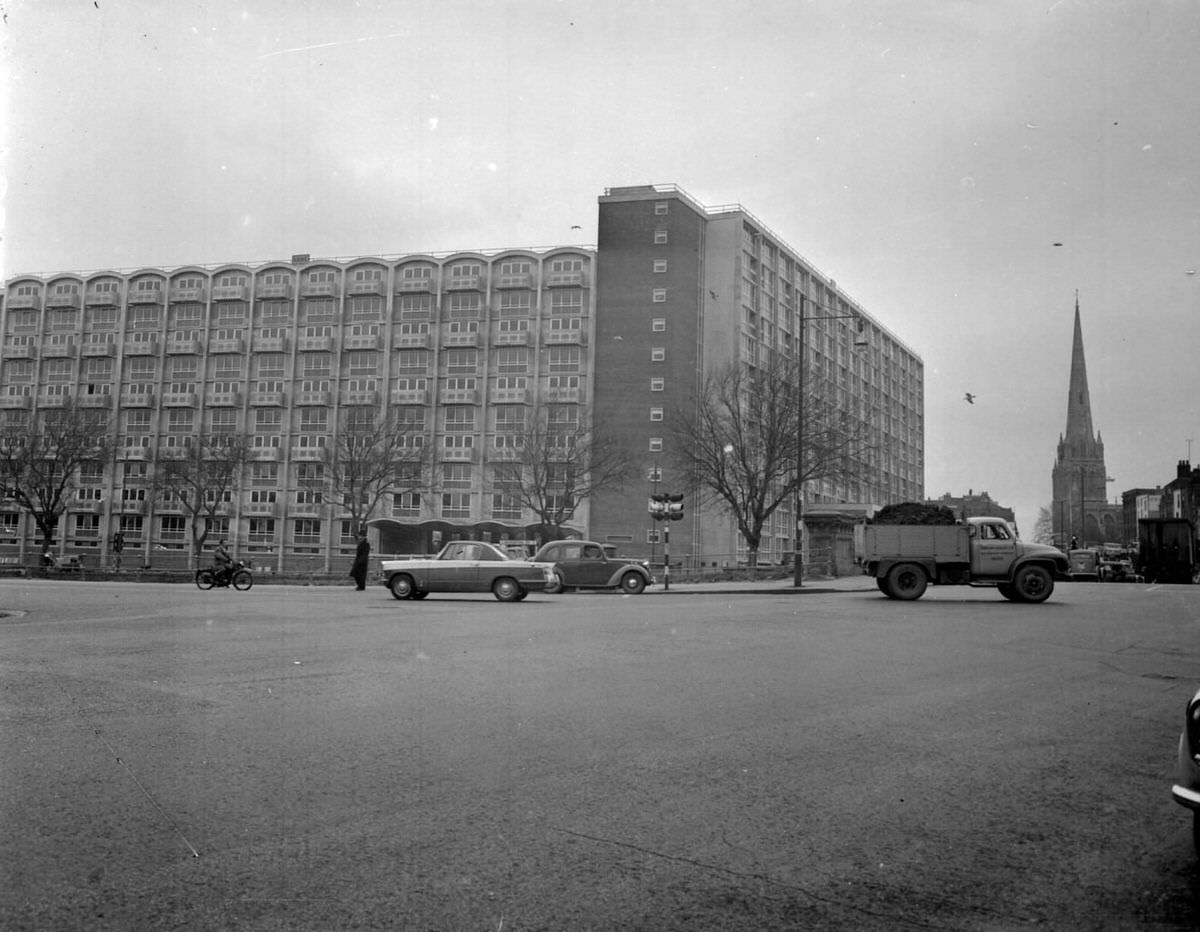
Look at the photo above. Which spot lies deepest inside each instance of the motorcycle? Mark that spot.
(237, 574)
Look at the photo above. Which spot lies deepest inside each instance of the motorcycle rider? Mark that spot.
(223, 563)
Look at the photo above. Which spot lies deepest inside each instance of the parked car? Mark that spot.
(1186, 790)
(466, 566)
(585, 564)
(1085, 565)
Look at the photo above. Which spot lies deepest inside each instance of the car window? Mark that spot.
(592, 552)
(569, 552)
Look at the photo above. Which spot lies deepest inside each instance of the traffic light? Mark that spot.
(658, 507)
(675, 507)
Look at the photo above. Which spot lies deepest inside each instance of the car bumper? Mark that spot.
(1186, 796)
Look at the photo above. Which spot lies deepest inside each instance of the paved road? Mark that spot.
(312, 758)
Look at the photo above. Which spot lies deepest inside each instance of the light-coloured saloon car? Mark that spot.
(467, 566)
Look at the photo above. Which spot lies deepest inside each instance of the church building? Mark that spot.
(1080, 512)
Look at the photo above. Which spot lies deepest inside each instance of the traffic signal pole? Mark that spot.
(666, 508)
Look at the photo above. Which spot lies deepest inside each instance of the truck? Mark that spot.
(1167, 550)
(906, 558)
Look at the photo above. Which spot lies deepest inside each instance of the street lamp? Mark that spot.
(798, 557)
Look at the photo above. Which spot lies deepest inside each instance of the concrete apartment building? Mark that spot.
(469, 345)
(684, 289)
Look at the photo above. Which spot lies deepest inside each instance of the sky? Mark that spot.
(962, 168)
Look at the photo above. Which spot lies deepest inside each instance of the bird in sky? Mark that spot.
(576, 226)
(969, 398)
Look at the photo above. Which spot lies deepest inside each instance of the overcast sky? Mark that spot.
(960, 168)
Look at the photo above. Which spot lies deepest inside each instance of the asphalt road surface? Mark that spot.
(300, 758)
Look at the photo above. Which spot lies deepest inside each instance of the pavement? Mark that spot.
(773, 586)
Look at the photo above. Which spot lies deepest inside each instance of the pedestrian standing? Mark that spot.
(118, 544)
(362, 554)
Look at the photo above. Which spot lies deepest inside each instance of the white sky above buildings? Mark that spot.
(929, 156)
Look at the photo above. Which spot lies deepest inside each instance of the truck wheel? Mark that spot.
(882, 583)
(907, 581)
(1010, 593)
(1033, 583)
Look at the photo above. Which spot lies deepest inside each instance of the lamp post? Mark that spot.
(798, 559)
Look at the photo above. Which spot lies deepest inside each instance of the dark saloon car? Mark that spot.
(466, 566)
(584, 564)
(1186, 790)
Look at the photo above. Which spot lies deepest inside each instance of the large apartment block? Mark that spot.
(463, 344)
(468, 348)
(684, 289)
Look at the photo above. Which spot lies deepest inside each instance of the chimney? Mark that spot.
(1183, 470)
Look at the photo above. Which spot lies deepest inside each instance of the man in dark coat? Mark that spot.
(362, 553)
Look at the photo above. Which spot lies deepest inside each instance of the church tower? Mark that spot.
(1080, 513)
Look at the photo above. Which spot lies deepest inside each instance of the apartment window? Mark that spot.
(657, 384)
(510, 418)
(171, 529)
(656, 444)
(456, 504)
(566, 265)
(660, 207)
(656, 414)
(464, 269)
(262, 534)
(223, 420)
(415, 306)
(658, 295)
(314, 419)
(556, 382)
(506, 505)
(512, 383)
(565, 324)
(460, 418)
(569, 300)
(319, 309)
(660, 237)
(465, 304)
(141, 317)
(321, 277)
(512, 360)
(456, 475)
(366, 307)
(368, 275)
(306, 533)
(513, 326)
(231, 280)
(412, 273)
(513, 267)
(462, 326)
(563, 359)
(264, 473)
(515, 303)
(461, 384)
(658, 353)
(660, 265)
(228, 367)
(315, 364)
(462, 360)
(406, 505)
(180, 420)
(309, 497)
(101, 317)
(363, 363)
(142, 369)
(658, 325)
(230, 311)
(270, 366)
(458, 442)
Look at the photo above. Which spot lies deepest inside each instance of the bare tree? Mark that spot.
(557, 464)
(1043, 529)
(40, 465)
(752, 441)
(202, 478)
(369, 458)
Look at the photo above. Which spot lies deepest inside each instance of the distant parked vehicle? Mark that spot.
(585, 564)
(1186, 790)
(1085, 565)
(466, 566)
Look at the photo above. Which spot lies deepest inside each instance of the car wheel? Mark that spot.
(556, 585)
(418, 594)
(907, 581)
(1009, 592)
(506, 589)
(402, 586)
(1033, 583)
(633, 583)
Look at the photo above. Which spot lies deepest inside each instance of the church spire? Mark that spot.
(1080, 436)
